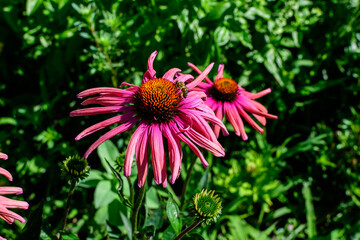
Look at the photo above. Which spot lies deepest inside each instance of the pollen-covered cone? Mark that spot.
(7, 203)
(162, 109)
(226, 98)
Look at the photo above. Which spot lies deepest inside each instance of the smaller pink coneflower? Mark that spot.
(6, 203)
(226, 97)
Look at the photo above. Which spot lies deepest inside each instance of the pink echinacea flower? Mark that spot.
(161, 108)
(6, 203)
(226, 97)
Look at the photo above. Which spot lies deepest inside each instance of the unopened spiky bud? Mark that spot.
(76, 167)
(206, 206)
(119, 162)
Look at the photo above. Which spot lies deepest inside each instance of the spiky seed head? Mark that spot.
(76, 167)
(206, 206)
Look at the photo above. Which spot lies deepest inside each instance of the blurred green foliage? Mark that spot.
(299, 180)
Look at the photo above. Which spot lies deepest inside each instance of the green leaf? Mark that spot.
(169, 234)
(217, 10)
(32, 6)
(156, 219)
(222, 35)
(103, 194)
(152, 200)
(62, 3)
(172, 211)
(107, 151)
(101, 215)
(127, 225)
(8, 120)
(93, 179)
(71, 236)
(310, 212)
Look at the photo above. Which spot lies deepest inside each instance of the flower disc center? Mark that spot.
(157, 100)
(224, 90)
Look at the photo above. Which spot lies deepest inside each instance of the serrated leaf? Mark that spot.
(172, 211)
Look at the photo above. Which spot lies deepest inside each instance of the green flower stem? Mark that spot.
(137, 205)
(186, 183)
(131, 191)
(188, 229)
(67, 208)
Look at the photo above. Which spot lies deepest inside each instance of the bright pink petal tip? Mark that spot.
(8, 203)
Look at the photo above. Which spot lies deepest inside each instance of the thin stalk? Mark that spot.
(188, 229)
(137, 205)
(107, 57)
(186, 183)
(67, 207)
(131, 191)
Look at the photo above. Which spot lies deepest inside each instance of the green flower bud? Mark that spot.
(206, 206)
(76, 167)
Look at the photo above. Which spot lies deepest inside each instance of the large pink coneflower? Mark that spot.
(7, 203)
(226, 97)
(161, 108)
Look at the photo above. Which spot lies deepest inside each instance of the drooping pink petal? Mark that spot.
(107, 101)
(99, 110)
(116, 91)
(259, 94)
(190, 144)
(10, 216)
(198, 71)
(98, 126)
(6, 173)
(200, 77)
(141, 157)
(233, 117)
(122, 128)
(175, 153)
(215, 121)
(130, 151)
(3, 156)
(214, 147)
(157, 154)
(250, 120)
(10, 190)
(219, 115)
(10, 203)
